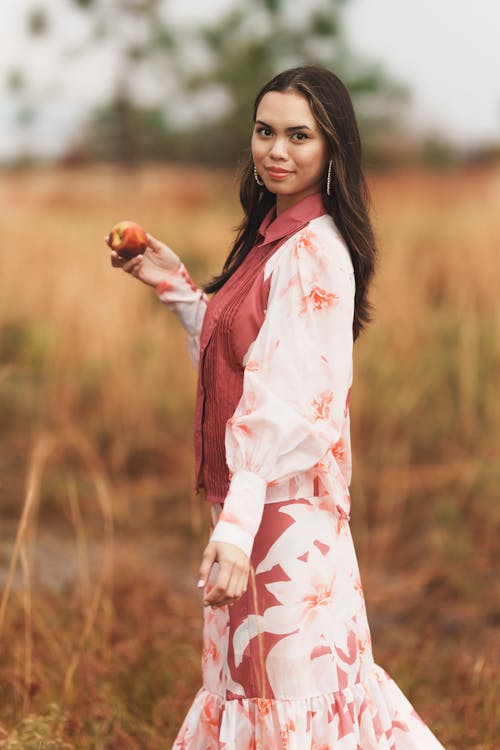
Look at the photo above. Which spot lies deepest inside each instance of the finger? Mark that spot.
(154, 244)
(219, 590)
(234, 588)
(238, 588)
(116, 260)
(133, 265)
(242, 584)
(221, 603)
(206, 566)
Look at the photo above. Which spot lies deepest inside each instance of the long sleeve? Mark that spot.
(297, 378)
(178, 292)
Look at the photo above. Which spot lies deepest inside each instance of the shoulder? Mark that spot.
(329, 243)
(319, 245)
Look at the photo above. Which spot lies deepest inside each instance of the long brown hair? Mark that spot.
(348, 202)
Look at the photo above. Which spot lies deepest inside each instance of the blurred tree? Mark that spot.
(124, 129)
(141, 44)
(37, 20)
(25, 113)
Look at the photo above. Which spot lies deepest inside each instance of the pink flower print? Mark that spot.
(264, 706)
(396, 724)
(362, 645)
(228, 517)
(323, 467)
(293, 281)
(320, 651)
(164, 286)
(356, 584)
(245, 429)
(323, 548)
(216, 621)
(317, 299)
(347, 402)
(309, 598)
(209, 718)
(252, 366)
(182, 736)
(305, 241)
(251, 402)
(187, 278)
(350, 656)
(210, 651)
(321, 405)
(338, 451)
(285, 734)
(342, 517)
(320, 596)
(234, 423)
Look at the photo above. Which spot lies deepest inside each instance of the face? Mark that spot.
(288, 148)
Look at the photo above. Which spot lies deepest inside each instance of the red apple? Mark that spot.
(128, 239)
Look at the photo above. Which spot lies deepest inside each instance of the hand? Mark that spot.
(232, 578)
(151, 266)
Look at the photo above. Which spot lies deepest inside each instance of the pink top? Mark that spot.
(274, 347)
(232, 321)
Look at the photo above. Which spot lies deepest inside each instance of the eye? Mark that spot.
(300, 137)
(264, 131)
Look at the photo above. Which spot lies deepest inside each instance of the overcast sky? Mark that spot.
(447, 51)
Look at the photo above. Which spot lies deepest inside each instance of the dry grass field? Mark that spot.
(100, 532)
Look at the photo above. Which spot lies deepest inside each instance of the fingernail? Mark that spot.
(200, 583)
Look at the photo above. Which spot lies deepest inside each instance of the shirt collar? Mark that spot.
(290, 221)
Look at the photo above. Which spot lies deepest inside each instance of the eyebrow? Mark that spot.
(287, 130)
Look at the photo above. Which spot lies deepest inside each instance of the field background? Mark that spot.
(100, 533)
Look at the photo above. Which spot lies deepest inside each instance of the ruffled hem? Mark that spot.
(371, 715)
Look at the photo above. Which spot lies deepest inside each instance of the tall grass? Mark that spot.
(100, 531)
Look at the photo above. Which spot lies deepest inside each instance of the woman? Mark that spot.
(287, 660)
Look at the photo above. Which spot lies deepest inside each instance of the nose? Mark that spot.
(278, 148)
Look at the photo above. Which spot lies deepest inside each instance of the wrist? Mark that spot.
(226, 532)
(167, 283)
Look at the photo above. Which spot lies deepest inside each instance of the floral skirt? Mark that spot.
(289, 666)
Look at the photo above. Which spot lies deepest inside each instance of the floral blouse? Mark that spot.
(289, 435)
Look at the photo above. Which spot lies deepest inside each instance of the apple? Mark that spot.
(128, 239)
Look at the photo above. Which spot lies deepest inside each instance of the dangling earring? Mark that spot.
(329, 178)
(257, 178)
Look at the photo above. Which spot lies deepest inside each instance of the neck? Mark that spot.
(284, 202)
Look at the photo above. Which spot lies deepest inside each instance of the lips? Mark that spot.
(275, 173)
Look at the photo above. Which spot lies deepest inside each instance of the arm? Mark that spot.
(297, 378)
(160, 268)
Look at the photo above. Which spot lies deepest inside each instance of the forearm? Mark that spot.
(188, 303)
